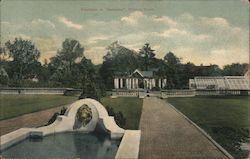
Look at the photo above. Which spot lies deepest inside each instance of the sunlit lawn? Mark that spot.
(15, 105)
(226, 119)
(130, 107)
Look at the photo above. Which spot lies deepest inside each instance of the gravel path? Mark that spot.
(28, 120)
(167, 134)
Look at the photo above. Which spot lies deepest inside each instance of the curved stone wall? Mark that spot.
(65, 123)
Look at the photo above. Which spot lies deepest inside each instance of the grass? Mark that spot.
(130, 107)
(16, 105)
(226, 119)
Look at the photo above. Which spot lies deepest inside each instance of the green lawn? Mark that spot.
(15, 105)
(130, 107)
(226, 119)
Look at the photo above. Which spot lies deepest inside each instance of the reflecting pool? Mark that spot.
(65, 145)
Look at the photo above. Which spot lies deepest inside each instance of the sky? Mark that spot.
(199, 31)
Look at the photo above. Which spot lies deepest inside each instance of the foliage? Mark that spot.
(53, 118)
(231, 139)
(69, 67)
(24, 57)
(63, 110)
(147, 55)
(63, 67)
(89, 87)
(172, 70)
(118, 116)
(117, 60)
(120, 119)
(55, 115)
(234, 69)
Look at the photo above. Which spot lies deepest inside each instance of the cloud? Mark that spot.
(96, 39)
(133, 18)
(215, 22)
(69, 23)
(198, 39)
(164, 19)
(39, 22)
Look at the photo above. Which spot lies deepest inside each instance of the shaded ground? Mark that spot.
(16, 105)
(167, 134)
(130, 107)
(28, 120)
(226, 119)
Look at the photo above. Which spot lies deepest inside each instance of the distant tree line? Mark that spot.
(20, 67)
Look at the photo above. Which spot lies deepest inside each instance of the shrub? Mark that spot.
(119, 117)
(53, 118)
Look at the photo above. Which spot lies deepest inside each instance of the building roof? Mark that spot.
(143, 73)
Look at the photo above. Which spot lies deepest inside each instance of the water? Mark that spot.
(65, 146)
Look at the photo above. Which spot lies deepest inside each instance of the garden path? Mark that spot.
(167, 134)
(28, 120)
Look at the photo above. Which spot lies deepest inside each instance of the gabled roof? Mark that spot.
(143, 73)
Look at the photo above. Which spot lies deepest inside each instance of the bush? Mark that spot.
(231, 139)
(119, 117)
(53, 118)
(63, 110)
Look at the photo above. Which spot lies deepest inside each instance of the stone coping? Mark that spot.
(64, 123)
(129, 146)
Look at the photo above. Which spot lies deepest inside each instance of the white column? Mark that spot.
(116, 84)
(133, 83)
(126, 83)
(153, 83)
(149, 83)
(121, 83)
(164, 83)
(159, 83)
(136, 83)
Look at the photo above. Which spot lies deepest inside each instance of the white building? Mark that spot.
(140, 80)
(220, 82)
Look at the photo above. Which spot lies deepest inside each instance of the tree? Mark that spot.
(71, 50)
(24, 57)
(235, 69)
(173, 67)
(147, 54)
(171, 59)
(88, 76)
(63, 67)
(118, 59)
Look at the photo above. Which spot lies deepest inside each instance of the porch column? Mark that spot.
(164, 83)
(136, 83)
(159, 84)
(121, 83)
(130, 83)
(153, 83)
(133, 83)
(126, 83)
(116, 84)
